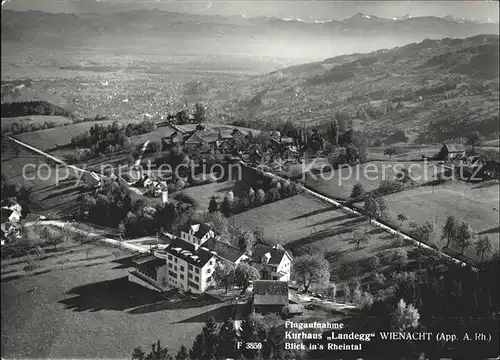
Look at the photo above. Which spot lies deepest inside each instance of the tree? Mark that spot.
(210, 338)
(260, 197)
(360, 238)
(225, 207)
(199, 113)
(400, 258)
(227, 340)
(450, 229)
(405, 316)
(224, 274)
(333, 132)
(197, 351)
(244, 274)
(182, 354)
(402, 218)
(463, 237)
(244, 239)
(212, 206)
(389, 152)
(483, 246)
(158, 352)
(138, 353)
(374, 208)
(358, 192)
(474, 139)
(311, 268)
(424, 232)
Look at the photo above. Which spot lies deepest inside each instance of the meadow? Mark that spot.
(476, 204)
(61, 136)
(302, 221)
(339, 184)
(54, 188)
(35, 120)
(79, 303)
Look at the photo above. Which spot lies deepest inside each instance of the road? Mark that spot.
(48, 156)
(139, 159)
(71, 227)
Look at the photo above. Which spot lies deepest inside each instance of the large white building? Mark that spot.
(187, 263)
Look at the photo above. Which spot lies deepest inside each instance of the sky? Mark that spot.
(305, 10)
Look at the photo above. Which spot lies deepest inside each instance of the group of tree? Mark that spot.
(441, 297)
(227, 275)
(220, 342)
(22, 194)
(244, 197)
(101, 137)
(26, 108)
(460, 234)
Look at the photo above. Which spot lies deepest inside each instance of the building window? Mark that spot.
(169, 257)
(171, 273)
(175, 260)
(193, 285)
(197, 279)
(190, 275)
(191, 267)
(170, 265)
(181, 276)
(197, 270)
(182, 268)
(175, 268)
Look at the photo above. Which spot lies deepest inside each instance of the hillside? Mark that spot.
(430, 86)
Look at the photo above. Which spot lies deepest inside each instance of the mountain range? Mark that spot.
(268, 36)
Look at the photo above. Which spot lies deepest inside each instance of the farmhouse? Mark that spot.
(451, 151)
(269, 296)
(273, 263)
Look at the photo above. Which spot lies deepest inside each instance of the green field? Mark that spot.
(474, 203)
(202, 194)
(404, 152)
(38, 120)
(304, 220)
(61, 136)
(55, 198)
(339, 184)
(80, 305)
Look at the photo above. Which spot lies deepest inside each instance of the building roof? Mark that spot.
(270, 287)
(276, 254)
(454, 147)
(226, 134)
(191, 253)
(223, 250)
(197, 229)
(148, 259)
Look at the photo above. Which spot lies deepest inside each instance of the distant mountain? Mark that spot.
(446, 82)
(262, 35)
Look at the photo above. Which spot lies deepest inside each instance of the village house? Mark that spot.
(273, 263)
(270, 296)
(197, 233)
(450, 152)
(11, 213)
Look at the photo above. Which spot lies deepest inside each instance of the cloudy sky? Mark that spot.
(306, 10)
